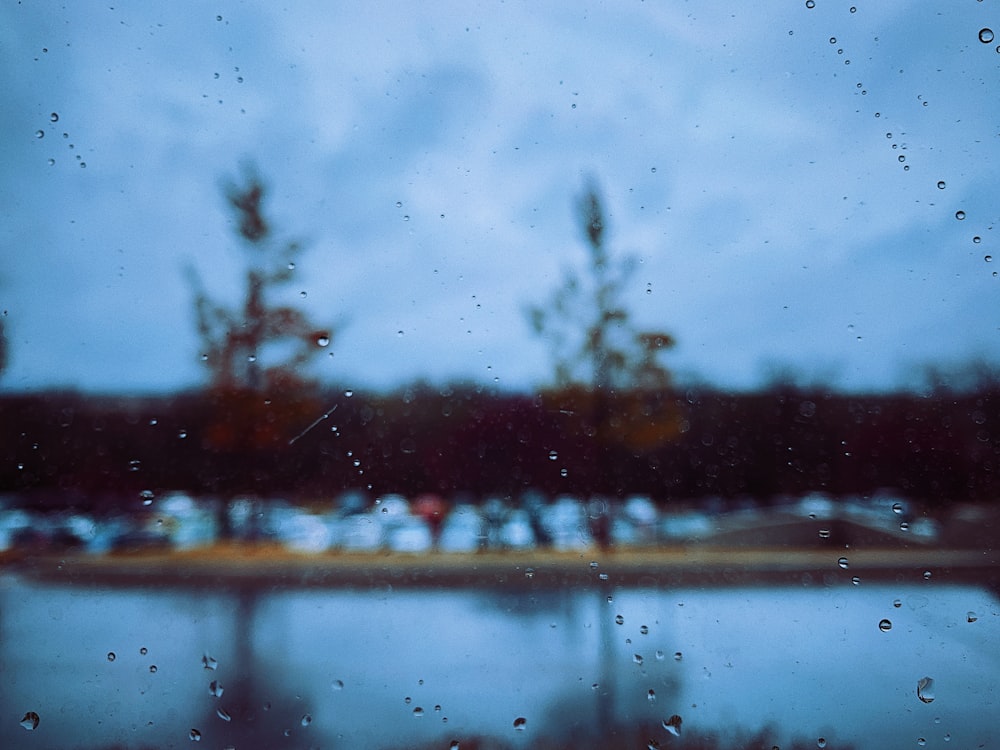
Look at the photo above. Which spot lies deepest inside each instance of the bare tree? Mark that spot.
(587, 324)
(260, 345)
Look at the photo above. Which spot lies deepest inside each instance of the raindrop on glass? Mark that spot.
(644, 629)
(885, 625)
(673, 725)
(986, 35)
(971, 616)
(810, 3)
(222, 714)
(337, 684)
(821, 742)
(960, 215)
(39, 134)
(824, 533)
(30, 721)
(520, 723)
(152, 668)
(637, 658)
(925, 690)
(651, 696)
(678, 656)
(842, 562)
(208, 662)
(323, 341)
(897, 603)
(619, 620)
(194, 735)
(215, 688)
(306, 720)
(941, 185)
(418, 711)
(111, 656)
(54, 117)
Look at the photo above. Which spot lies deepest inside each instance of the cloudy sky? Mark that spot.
(775, 171)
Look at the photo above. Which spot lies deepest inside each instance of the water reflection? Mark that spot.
(351, 668)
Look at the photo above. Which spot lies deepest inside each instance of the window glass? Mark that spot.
(499, 375)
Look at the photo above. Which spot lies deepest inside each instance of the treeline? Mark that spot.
(97, 453)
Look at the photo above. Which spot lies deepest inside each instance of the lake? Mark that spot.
(320, 668)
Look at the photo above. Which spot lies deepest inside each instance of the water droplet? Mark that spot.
(927, 575)
(52, 162)
(904, 526)
(960, 215)
(678, 656)
(977, 239)
(208, 662)
(941, 185)
(925, 690)
(453, 745)
(673, 725)
(399, 204)
(854, 9)
(30, 721)
(337, 684)
(215, 689)
(842, 562)
(821, 742)
(810, 3)
(553, 455)
(348, 393)
(856, 580)
(644, 629)
(986, 35)
(54, 117)
(406, 217)
(653, 170)
(182, 434)
(651, 696)
(885, 625)
(407, 700)
(143, 651)
(824, 533)
(112, 656)
(897, 603)
(306, 720)
(520, 723)
(194, 735)
(222, 714)
(637, 659)
(152, 668)
(619, 620)
(833, 40)
(418, 711)
(988, 258)
(323, 341)
(921, 741)
(39, 134)
(971, 616)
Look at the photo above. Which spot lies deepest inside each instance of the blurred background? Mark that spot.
(602, 355)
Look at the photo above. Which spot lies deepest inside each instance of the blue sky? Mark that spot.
(749, 158)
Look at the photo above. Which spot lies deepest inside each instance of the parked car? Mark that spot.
(462, 530)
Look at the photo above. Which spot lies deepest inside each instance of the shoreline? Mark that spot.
(223, 566)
